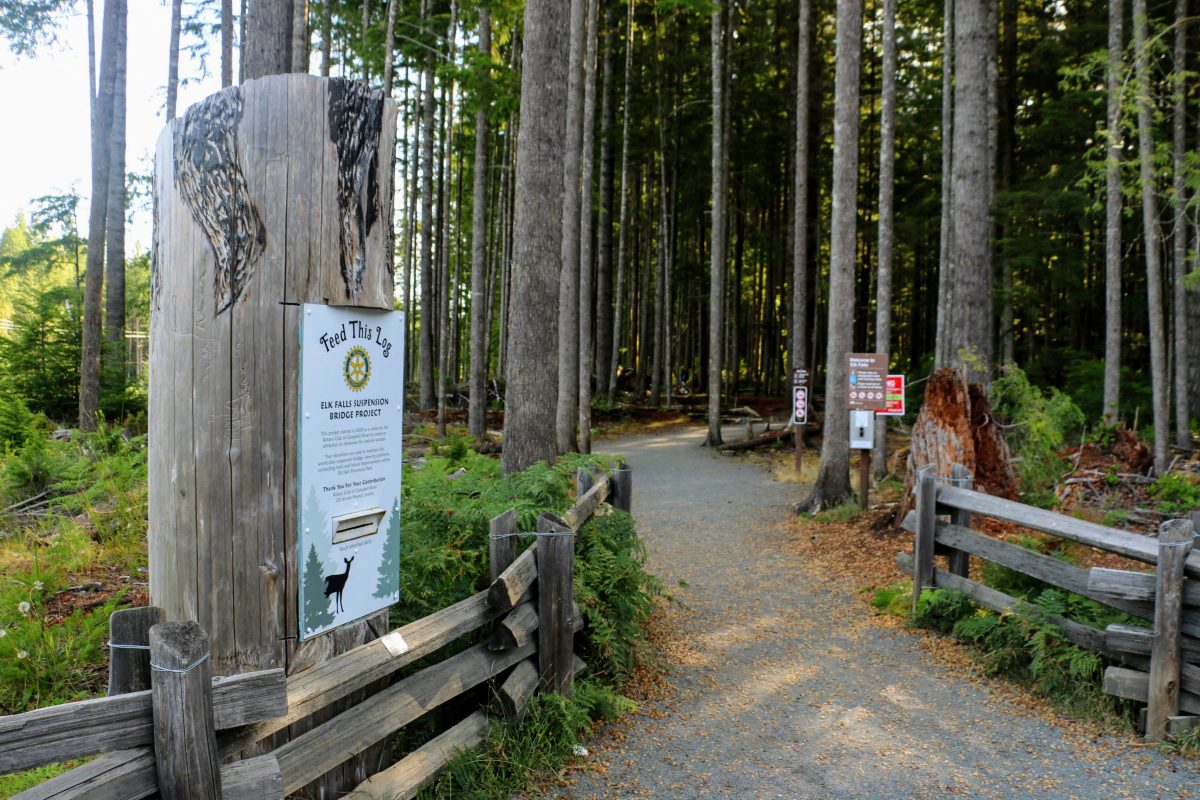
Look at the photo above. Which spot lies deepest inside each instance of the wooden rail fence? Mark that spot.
(168, 727)
(1161, 663)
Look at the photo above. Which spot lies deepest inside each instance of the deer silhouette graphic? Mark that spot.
(334, 584)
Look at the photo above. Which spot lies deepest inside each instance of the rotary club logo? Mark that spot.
(356, 368)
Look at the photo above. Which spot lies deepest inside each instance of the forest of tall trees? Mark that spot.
(601, 200)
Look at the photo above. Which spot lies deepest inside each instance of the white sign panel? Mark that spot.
(351, 419)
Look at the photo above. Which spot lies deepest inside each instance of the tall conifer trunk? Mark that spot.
(604, 233)
(1179, 233)
(623, 214)
(716, 285)
(480, 299)
(113, 357)
(1112, 216)
(586, 283)
(529, 420)
(887, 168)
(833, 478)
(1153, 237)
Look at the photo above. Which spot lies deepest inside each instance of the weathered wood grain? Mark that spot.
(960, 560)
(130, 775)
(1134, 684)
(319, 687)
(589, 500)
(89, 727)
(923, 541)
(502, 548)
(185, 740)
(508, 589)
(1082, 635)
(1140, 586)
(129, 648)
(517, 688)
(1037, 565)
(1174, 544)
(515, 630)
(622, 487)
(1131, 639)
(418, 769)
(1132, 545)
(314, 753)
(555, 577)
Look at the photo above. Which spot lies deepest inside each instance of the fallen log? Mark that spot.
(783, 437)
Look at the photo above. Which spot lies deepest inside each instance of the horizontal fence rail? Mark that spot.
(1160, 662)
(170, 729)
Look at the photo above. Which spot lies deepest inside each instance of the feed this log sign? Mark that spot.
(351, 420)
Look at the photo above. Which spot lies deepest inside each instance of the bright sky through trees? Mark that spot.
(47, 151)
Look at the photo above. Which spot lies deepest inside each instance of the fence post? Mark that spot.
(502, 551)
(583, 482)
(556, 567)
(960, 560)
(129, 648)
(923, 542)
(620, 492)
(185, 742)
(1174, 543)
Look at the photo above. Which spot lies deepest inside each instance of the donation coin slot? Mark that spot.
(357, 524)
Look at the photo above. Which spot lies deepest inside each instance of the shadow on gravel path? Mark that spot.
(782, 687)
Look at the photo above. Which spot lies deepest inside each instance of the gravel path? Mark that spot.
(782, 688)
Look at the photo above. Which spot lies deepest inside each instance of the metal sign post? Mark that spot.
(866, 394)
(799, 411)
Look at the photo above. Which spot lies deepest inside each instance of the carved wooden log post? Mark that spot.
(267, 195)
(1174, 544)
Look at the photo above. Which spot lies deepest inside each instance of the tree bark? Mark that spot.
(887, 169)
(444, 304)
(604, 266)
(568, 287)
(833, 478)
(659, 361)
(972, 318)
(623, 213)
(173, 58)
(945, 291)
(226, 43)
(529, 423)
(366, 26)
(327, 36)
(267, 45)
(299, 45)
(389, 46)
(799, 348)
(1153, 238)
(586, 284)
(425, 357)
(91, 31)
(113, 358)
(716, 285)
(1179, 234)
(89, 371)
(480, 301)
(1112, 216)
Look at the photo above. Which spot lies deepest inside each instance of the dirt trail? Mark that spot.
(782, 688)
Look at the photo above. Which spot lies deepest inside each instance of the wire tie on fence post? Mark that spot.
(186, 669)
(115, 646)
(538, 533)
(1192, 540)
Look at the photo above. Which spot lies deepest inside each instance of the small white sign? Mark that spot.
(351, 427)
(862, 429)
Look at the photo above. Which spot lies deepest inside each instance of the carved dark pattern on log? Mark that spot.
(210, 179)
(355, 125)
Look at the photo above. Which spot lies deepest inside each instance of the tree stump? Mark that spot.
(955, 426)
(267, 196)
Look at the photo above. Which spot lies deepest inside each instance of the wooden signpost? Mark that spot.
(267, 196)
(799, 411)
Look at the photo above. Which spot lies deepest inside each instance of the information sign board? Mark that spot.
(866, 373)
(895, 396)
(351, 427)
